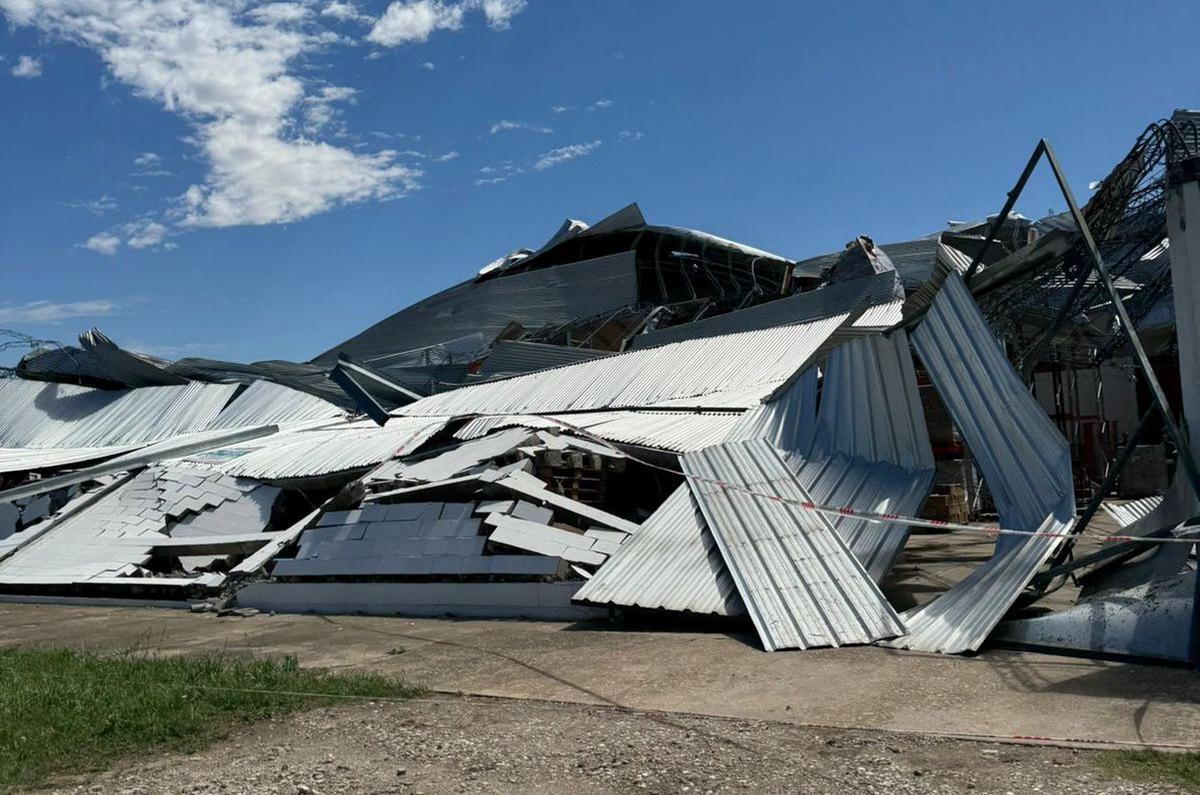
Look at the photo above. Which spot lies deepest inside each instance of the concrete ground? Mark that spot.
(997, 695)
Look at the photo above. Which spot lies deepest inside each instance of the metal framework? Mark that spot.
(1130, 208)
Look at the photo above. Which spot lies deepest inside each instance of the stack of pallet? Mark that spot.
(582, 476)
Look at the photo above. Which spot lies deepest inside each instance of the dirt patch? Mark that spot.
(467, 745)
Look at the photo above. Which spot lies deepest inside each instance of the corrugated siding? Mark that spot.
(1024, 459)
(867, 448)
(798, 579)
(36, 414)
(870, 406)
(673, 431)
(513, 357)
(872, 486)
(322, 451)
(1126, 513)
(841, 298)
(788, 421)
(670, 563)
(745, 367)
(265, 403)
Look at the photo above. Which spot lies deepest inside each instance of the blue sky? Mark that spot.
(231, 180)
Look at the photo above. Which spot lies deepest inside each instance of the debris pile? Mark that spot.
(654, 419)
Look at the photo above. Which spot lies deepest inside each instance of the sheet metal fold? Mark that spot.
(1024, 459)
(800, 583)
(739, 368)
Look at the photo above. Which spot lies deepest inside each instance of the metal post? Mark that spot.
(1008, 205)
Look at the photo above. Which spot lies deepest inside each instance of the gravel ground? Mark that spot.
(467, 745)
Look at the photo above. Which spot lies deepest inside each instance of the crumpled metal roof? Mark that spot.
(1024, 459)
(670, 563)
(799, 581)
(113, 537)
(533, 299)
(265, 403)
(739, 369)
(37, 414)
(842, 298)
(514, 357)
(1022, 455)
(320, 451)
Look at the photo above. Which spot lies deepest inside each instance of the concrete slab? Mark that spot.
(997, 695)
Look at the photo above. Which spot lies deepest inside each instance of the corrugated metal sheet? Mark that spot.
(456, 460)
(1023, 457)
(265, 403)
(533, 299)
(1126, 513)
(114, 537)
(871, 486)
(23, 459)
(788, 421)
(1024, 460)
(961, 619)
(867, 448)
(746, 367)
(322, 451)
(798, 579)
(36, 414)
(513, 357)
(670, 563)
(842, 298)
(676, 432)
(870, 407)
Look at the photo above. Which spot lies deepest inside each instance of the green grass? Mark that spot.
(68, 712)
(1182, 770)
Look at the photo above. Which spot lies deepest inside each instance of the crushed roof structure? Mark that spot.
(638, 417)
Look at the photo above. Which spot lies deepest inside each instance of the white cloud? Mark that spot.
(96, 207)
(48, 312)
(559, 108)
(27, 66)
(430, 65)
(445, 157)
(229, 72)
(147, 160)
(601, 104)
(414, 21)
(563, 154)
(281, 13)
(506, 124)
(499, 13)
(346, 12)
(145, 234)
(104, 243)
(630, 135)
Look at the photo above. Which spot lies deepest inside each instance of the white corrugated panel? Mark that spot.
(322, 451)
(1126, 513)
(746, 366)
(23, 459)
(113, 537)
(798, 579)
(267, 403)
(670, 563)
(867, 448)
(458, 459)
(35, 414)
(1024, 459)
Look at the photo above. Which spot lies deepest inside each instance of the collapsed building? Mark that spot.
(646, 419)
